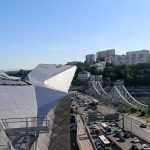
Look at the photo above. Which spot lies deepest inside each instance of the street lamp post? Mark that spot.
(123, 121)
(131, 124)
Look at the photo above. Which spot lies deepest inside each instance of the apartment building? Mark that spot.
(132, 58)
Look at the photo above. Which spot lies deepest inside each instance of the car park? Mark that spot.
(135, 140)
(145, 147)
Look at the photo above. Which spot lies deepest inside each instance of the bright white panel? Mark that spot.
(62, 80)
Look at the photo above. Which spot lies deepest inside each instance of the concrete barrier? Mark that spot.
(79, 144)
(89, 136)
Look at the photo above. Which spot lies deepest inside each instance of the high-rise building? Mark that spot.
(132, 58)
(90, 59)
(102, 55)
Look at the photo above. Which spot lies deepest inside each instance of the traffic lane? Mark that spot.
(124, 145)
(133, 127)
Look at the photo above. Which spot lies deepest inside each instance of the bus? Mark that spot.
(104, 142)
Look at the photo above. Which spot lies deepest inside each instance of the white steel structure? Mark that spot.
(25, 107)
(118, 94)
(52, 76)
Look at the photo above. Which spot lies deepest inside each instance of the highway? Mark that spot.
(130, 125)
(133, 126)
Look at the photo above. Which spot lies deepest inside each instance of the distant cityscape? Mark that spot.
(130, 58)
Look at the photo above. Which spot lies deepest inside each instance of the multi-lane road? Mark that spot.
(131, 123)
(133, 126)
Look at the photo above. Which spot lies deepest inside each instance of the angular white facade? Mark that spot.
(54, 76)
(18, 99)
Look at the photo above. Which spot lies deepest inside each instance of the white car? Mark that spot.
(93, 127)
(145, 147)
(135, 140)
(112, 124)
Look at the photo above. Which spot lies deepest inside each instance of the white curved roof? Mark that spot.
(19, 99)
(53, 76)
(27, 101)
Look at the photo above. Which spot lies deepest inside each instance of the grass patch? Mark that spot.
(144, 100)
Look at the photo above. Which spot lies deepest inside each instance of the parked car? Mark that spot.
(145, 147)
(135, 140)
(134, 147)
(143, 125)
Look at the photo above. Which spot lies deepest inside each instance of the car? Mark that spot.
(83, 114)
(112, 124)
(135, 140)
(143, 125)
(117, 134)
(98, 132)
(134, 147)
(93, 127)
(98, 145)
(145, 147)
(126, 135)
(122, 139)
(85, 109)
(95, 122)
(118, 130)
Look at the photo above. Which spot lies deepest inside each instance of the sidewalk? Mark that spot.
(84, 141)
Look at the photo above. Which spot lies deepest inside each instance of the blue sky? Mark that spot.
(57, 31)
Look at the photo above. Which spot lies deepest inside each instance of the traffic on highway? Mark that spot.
(105, 128)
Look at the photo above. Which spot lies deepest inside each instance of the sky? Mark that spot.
(58, 31)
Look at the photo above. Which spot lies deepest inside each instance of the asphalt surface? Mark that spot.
(131, 125)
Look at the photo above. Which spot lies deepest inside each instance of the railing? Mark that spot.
(25, 125)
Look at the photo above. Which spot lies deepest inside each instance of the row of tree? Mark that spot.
(133, 75)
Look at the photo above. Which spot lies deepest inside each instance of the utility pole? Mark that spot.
(131, 124)
(123, 121)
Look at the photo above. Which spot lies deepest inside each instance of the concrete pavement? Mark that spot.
(82, 137)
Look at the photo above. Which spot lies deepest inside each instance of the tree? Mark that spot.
(142, 113)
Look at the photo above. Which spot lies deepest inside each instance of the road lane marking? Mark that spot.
(147, 130)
